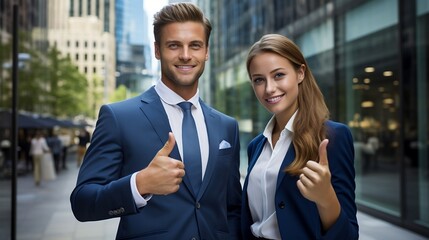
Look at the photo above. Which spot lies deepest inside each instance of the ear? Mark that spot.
(207, 54)
(301, 73)
(157, 53)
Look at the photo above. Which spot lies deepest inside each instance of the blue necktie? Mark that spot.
(191, 147)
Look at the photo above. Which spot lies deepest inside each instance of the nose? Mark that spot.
(271, 86)
(184, 54)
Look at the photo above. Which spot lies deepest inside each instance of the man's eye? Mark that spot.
(173, 46)
(196, 46)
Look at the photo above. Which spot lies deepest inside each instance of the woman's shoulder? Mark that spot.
(338, 130)
(336, 126)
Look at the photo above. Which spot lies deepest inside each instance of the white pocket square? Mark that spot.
(224, 144)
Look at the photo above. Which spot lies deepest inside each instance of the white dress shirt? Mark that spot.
(38, 146)
(169, 100)
(263, 181)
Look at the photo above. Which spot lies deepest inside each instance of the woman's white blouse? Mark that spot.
(263, 181)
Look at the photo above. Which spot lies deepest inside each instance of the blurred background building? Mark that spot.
(84, 31)
(370, 58)
(133, 60)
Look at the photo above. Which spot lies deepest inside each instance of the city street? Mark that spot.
(44, 214)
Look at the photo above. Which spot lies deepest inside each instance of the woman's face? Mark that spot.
(275, 83)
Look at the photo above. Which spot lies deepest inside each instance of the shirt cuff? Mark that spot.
(140, 200)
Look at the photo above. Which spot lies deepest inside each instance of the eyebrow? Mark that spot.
(275, 70)
(181, 43)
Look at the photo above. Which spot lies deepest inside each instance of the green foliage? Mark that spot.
(121, 93)
(47, 83)
(68, 87)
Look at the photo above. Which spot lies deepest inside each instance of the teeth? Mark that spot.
(274, 99)
(184, 67)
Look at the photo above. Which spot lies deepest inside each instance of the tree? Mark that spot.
(120, 94)
(47, 83)
(68, 87)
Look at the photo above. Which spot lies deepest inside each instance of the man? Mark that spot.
(54, 143)
(83, 140)
(134, 167)
(65, 143)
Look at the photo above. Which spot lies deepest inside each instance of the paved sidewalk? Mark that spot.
(44, 214)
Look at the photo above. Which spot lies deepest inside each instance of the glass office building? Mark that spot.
(133, 59)
(370, 58)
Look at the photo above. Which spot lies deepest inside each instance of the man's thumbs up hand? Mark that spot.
(164, 174)
(168, 146)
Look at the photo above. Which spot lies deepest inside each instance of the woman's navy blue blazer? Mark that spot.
(297, 216)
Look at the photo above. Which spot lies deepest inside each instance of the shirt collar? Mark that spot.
(171, 98)
(270, 126)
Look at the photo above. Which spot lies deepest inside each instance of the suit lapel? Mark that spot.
(212, 122)
(290, 156)
(252, 162)
(154, 111)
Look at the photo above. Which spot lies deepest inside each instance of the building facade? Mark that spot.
(370, 58)
(84, 30)
(133, 59)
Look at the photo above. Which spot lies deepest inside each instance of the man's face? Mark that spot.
(182, 51)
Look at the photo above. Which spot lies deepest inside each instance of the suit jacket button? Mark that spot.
(281, 205)
(197, 205)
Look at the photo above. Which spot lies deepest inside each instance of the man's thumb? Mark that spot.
(323, 154)
(169, 145)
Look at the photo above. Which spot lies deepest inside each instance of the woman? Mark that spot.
(37, 149)
(292, 190)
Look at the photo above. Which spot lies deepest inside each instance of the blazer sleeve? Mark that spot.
(341, 163)
(101, 191)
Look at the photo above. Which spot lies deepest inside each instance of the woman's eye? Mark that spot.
(257, 81)
(279, 75)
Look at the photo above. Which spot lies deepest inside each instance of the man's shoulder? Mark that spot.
(217, 112)
(149, 94)
(125, 102)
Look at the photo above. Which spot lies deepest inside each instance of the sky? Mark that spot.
(151, 7)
